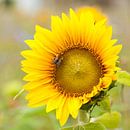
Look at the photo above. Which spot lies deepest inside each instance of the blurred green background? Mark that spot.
(17, 23)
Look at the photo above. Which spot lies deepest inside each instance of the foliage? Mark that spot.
(100, 105)
(123, 77)
(89, 126)
(110, 119)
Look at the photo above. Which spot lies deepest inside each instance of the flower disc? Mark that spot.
(78, 72)
(70, 64)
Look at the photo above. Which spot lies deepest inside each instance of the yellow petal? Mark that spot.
(74, 105)
(65, 113)
(54, 102)
(36, 84)
(59, 109)
(39, 93)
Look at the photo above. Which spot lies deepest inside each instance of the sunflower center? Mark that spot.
(78, 71)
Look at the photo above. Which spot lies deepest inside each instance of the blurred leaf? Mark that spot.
(123, 77)
(110, 120)
(105, 104)
(102, 107)
(94, 126)
(89, 126)
(97, 111)
(27, 124)
(34, 111)
(11, 88)
(116, 91)
(67, 128)
(34, 121)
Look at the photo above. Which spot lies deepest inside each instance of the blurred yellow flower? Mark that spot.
(70, 64)
(98, 15)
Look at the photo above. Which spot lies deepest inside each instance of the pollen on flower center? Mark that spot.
(78, 72)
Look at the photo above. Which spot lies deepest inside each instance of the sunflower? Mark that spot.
(69, 64)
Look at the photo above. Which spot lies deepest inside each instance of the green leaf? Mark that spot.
(123, 77)
(89, 126)
(102, 106)
(115, 92)
(110, 120)
(76, 128)
(97, 111)
(67, 128)
(94, 126)
(105, 104)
